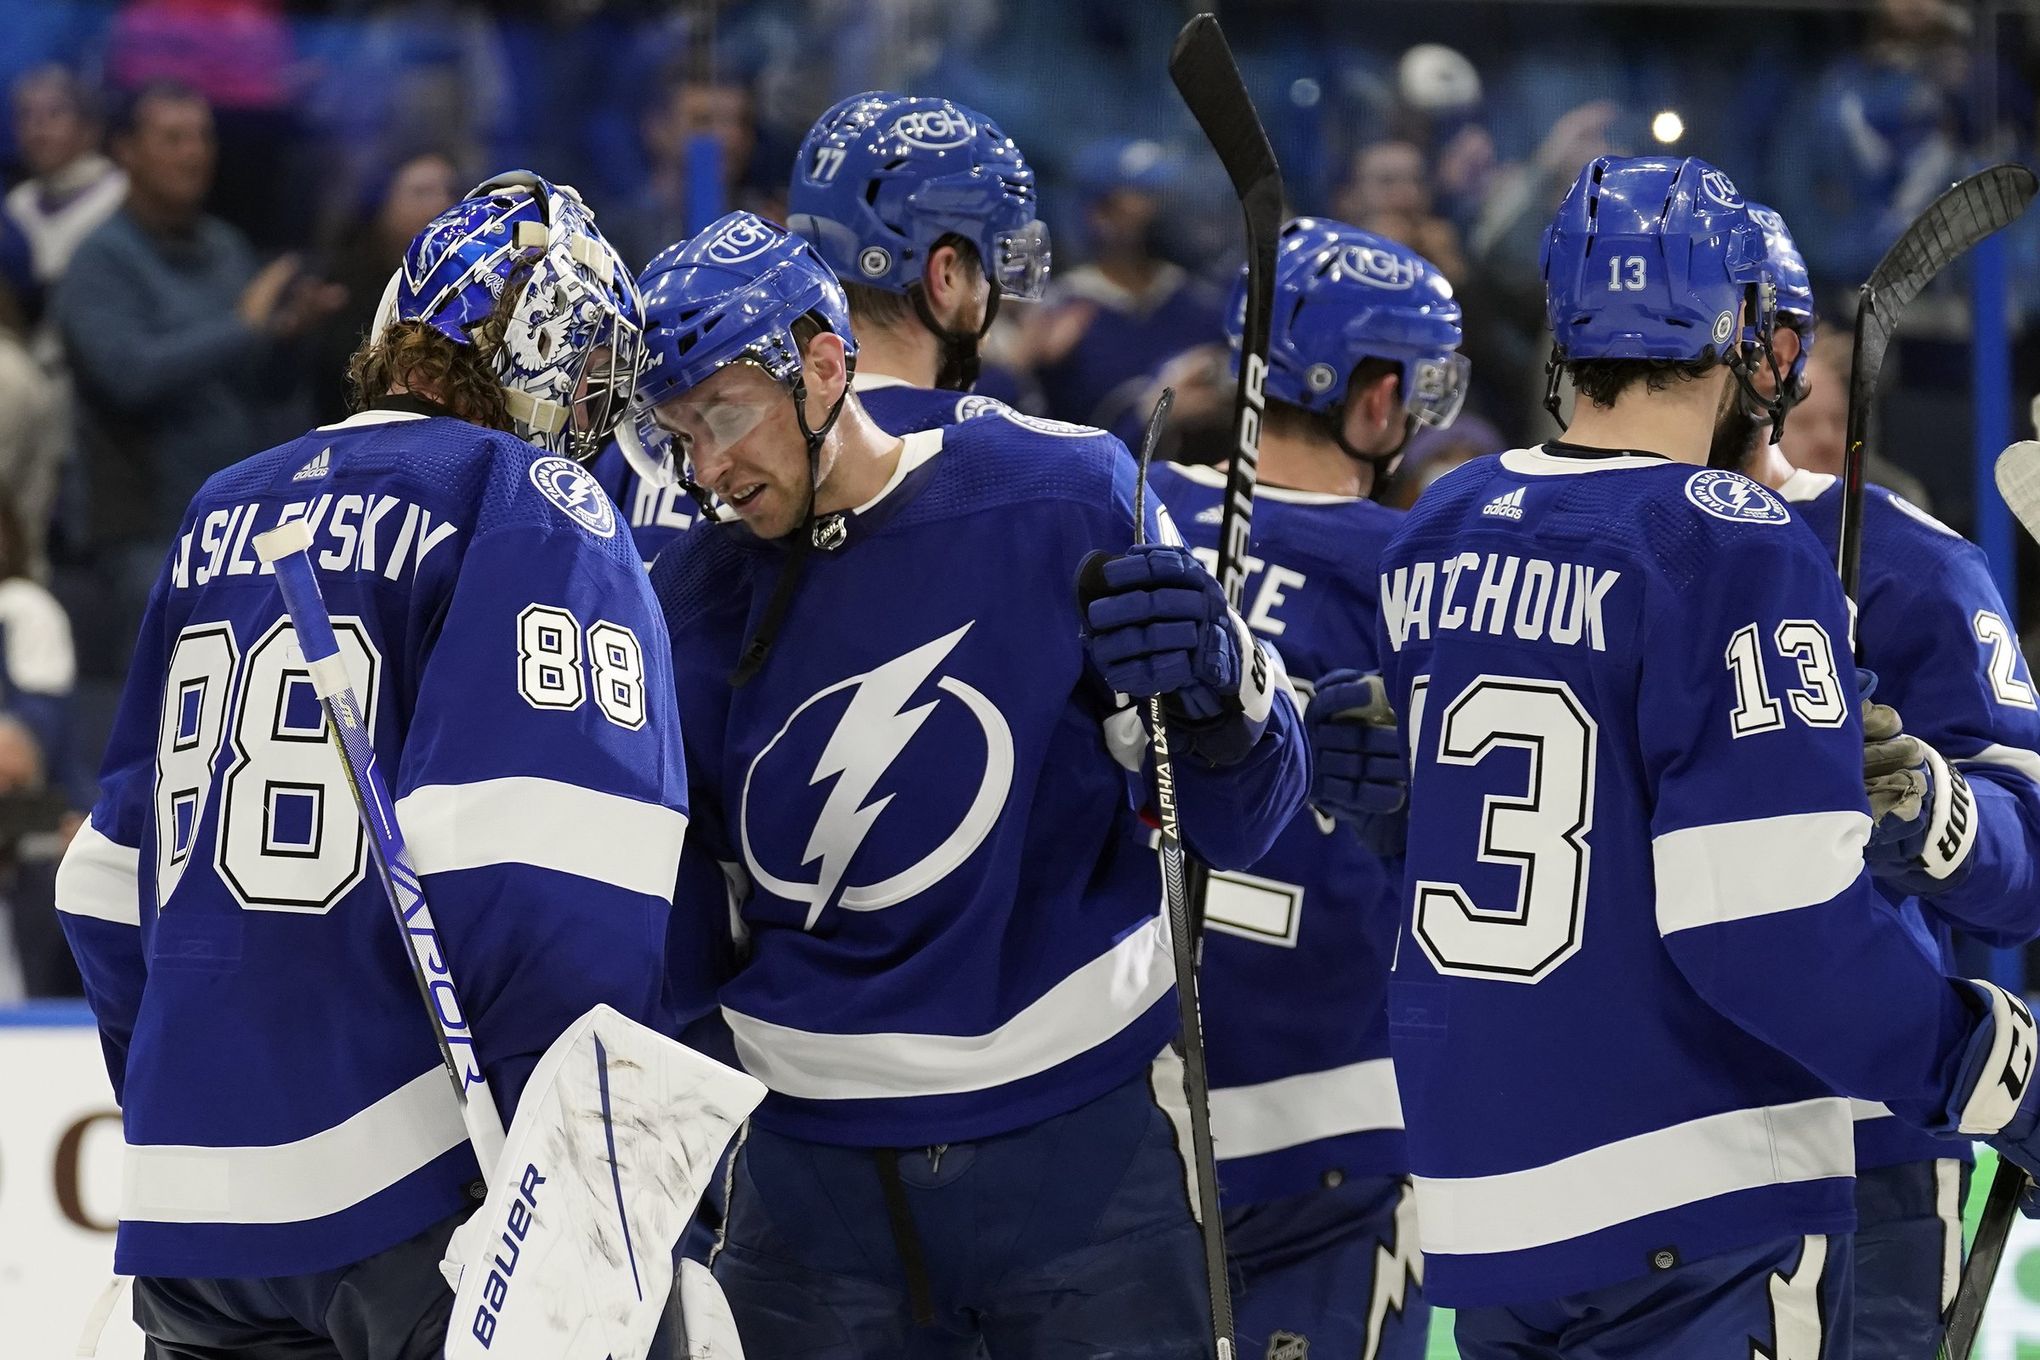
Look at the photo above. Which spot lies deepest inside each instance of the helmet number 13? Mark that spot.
(1625, 274)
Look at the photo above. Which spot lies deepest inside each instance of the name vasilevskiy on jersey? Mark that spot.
(1559, 601)
(496, 1289)
(350, 532)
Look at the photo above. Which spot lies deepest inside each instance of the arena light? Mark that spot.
(1667, 127)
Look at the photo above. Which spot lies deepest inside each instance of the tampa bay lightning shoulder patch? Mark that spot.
(575, 491)
(1734, 497)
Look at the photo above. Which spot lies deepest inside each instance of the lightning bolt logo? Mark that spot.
(876, 726)
(1398, 1272)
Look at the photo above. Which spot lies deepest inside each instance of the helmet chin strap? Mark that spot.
(958, 363)
(759, 647)
(1383, 464)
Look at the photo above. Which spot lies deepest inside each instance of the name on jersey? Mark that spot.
(1536, 600)
(364, 533)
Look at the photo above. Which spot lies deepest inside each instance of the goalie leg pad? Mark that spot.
(616, 1136)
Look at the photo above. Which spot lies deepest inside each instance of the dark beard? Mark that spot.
(1735, 434)
(957, 362)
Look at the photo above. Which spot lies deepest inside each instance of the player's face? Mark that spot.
(738, 435)
(1817, 433)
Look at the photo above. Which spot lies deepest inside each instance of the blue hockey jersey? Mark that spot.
(1640, 950)
(1294, 983)
(285, 1109)
(1947, 657)
(951, 902)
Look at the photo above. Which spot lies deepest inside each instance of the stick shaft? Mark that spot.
(1183, 951)
(299, 586)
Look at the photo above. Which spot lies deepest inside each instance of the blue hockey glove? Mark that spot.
(1156, 623)
(1922, 816)
(1362, 773)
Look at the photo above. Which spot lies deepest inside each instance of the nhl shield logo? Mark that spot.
(1288, 1346)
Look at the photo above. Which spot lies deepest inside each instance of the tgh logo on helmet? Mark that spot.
(1767, 219)
(1721, 189)
(1381, 268)
(738, 242)
(934, 129)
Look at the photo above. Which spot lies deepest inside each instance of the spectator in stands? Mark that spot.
(1111, 324)
(1874, 139)
(1816, 433)
(71, 187)
(1388, 192)
(35, 430)
(34, 960)
(397, 205)
(175, 340)
(691, 111)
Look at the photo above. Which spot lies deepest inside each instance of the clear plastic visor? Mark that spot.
(666, 442)
(1438, 390)
(1020, 259)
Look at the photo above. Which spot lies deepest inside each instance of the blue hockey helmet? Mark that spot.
(573, 336)
(882, 177)
(730, 295)
(1795, 294)
(1343, 295)
(1653, 258)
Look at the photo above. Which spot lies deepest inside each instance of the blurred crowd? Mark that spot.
(205, 198)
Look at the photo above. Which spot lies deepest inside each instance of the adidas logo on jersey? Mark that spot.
(1211, 514)
(317, 468)
(1508, 505)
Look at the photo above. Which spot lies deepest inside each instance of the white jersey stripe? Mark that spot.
(100, 878)
(333, 1169)
(1247, 1121)
(1730, 871)
(2015, 758)
(1073, 1017)
(1634, 1177)
(547, 824)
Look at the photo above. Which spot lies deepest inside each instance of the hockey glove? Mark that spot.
(1362, 774)
(1156, 623)
(1922, 817)
(1996, 1097)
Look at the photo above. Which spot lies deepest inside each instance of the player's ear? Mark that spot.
(1377, 404)
(945, 279)
(827, 371)
(1785, 345)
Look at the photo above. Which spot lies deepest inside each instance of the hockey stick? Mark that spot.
(286, 549)
(2018, 481)
(1183, 947)
(1969, 211)
(616, 1133)
(1202, 67)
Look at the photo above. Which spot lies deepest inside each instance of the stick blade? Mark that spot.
(1201, 65)
(2018, 481)
(1968, 211)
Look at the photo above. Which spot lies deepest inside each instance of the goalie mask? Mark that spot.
(573, 339)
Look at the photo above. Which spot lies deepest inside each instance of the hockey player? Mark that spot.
(1641, 950)
(927, 212)
(1958, 811)
(1314, 1173)
(958, 980)
(296, 1159)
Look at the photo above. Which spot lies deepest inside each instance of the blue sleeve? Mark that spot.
(543, 789)
(130, 360)
(1948, 660)
(99, 893)
(1758, 824)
